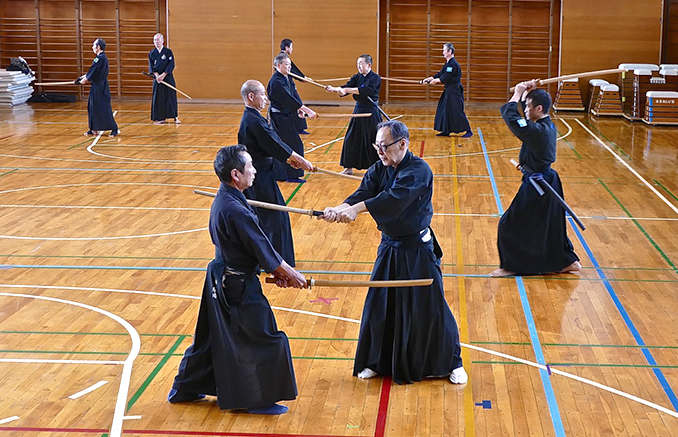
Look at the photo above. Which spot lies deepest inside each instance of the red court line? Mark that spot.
(383, 406)
(382, 413)
(421, 151)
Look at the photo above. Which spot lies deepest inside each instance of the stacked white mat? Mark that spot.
(15, 87)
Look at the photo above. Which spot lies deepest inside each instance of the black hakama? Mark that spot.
(532, 234)
(284, 105)
(406, 332)
(265, 146)
(237, 354)
(99, 111)
(164, 102)
(300, 123)
(450, 116)
(362, 132)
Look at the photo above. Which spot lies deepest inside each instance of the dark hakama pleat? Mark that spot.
(532, 235)
(237, 354)
(361, 134)
(450, 116)
(409, 332)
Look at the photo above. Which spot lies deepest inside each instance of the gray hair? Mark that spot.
(397, 128)
(280, 58)
(449, 46)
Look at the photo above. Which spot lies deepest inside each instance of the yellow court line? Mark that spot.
(469, 417)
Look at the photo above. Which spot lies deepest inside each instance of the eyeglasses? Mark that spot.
(383, 147)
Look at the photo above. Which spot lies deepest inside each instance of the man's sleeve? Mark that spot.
(521, 127)
(409, 184)
(269, 141)
(256, 242)
(280, 94)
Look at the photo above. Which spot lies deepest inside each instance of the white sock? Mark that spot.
(459, 376)
(367, 373)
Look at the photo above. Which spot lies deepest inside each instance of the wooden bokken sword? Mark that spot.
(387, 284)
(265, 205)
(167, 85)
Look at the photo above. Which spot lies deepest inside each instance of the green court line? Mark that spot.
(631, 346)
(608, 140)
(656, 246)
(572, 147)
(79, 144)
(8, 172)
(155, 371)
(335, 138)
(289, 199)
(166, 356)
(665, 189)
(87, 333)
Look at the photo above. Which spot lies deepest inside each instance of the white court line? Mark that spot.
(122, 237)
(323, 145)
(119, 413)
(569, 130)
(469, 346)
(16, 190)
(39, 361)
(131, 417)
(92, 160)
(470, 153)
(9, 419)
(96, 140)
(99, 134)
(619, 158)
(161, 161)
(338, 139)
(576, 378)
(88, 390)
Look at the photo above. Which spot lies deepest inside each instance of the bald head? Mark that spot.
(253, 94)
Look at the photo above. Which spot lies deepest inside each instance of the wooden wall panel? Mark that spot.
(497, 43)
(55, 37)
(138, 23)
(602, 34)
(218, 45)
(449, 23)
(670, 32)
(18, 32)
(328, 38)
(489, 60)
(408, 45)
(230, 42)
(99, 19)
(58, 43)
(531, 39)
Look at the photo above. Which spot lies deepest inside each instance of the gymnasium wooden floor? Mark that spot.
(103, 249)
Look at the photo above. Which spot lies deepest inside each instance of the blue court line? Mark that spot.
(627, 319)
(500, 208)
(534, 335)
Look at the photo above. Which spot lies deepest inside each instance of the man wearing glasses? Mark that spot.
(408, 333)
